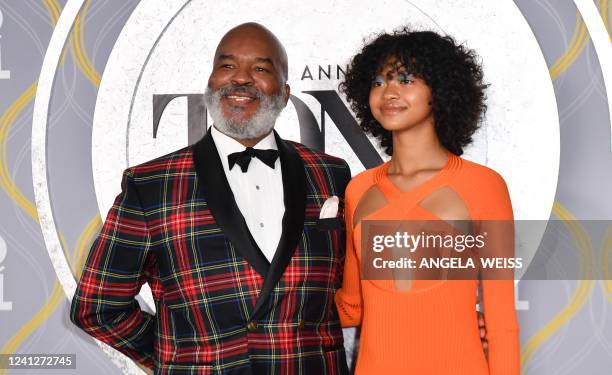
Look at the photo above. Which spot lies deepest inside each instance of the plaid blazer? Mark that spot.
(221, 307)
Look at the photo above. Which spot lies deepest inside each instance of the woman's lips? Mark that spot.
(391, 109)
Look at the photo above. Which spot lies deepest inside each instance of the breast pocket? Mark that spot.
(325, 237)
(329, 223)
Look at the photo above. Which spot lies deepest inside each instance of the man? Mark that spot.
(231, 237)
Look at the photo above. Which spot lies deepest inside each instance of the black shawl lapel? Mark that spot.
(294, 190)
(220, 200)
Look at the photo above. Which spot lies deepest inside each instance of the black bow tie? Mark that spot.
(243, 158)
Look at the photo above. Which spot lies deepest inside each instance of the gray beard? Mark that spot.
(257, 126)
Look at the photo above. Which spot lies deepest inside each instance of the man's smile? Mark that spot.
(240, 98)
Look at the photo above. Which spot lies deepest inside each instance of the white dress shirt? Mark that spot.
(258, 191)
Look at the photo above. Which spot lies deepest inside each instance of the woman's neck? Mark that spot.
(416, 149)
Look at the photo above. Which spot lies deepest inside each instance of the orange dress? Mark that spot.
(431, 329)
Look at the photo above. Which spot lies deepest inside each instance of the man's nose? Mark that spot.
(242, 76)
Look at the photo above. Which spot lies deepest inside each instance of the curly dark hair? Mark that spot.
(452, 71)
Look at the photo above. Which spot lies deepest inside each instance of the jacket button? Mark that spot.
(252, 326)
(301, 324)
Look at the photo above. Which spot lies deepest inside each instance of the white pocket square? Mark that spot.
(330, 208)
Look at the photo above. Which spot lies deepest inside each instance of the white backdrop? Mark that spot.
(167, 48)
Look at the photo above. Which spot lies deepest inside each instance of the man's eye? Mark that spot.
(260, 69)
(227, 66)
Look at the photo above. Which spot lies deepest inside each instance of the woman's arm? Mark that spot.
(348, 298)
(502, 328)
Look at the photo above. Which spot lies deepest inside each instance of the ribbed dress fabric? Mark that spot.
(433, 327)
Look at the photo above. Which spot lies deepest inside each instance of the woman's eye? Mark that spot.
(405, 78)
(260, 69)
(378, 81)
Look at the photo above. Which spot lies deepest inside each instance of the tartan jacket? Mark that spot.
(221, 307)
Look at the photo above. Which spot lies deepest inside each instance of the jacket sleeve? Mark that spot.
(104, 304)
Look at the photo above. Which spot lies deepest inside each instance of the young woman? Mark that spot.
(422, 95)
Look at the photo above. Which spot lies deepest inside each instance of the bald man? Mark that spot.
(240, 237)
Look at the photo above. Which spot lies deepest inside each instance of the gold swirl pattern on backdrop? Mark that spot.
(9, 186)
(576, 46)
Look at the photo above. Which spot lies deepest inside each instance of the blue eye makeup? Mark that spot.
(404, 78)
(378, 80)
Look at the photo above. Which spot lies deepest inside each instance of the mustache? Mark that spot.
(235, 89)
